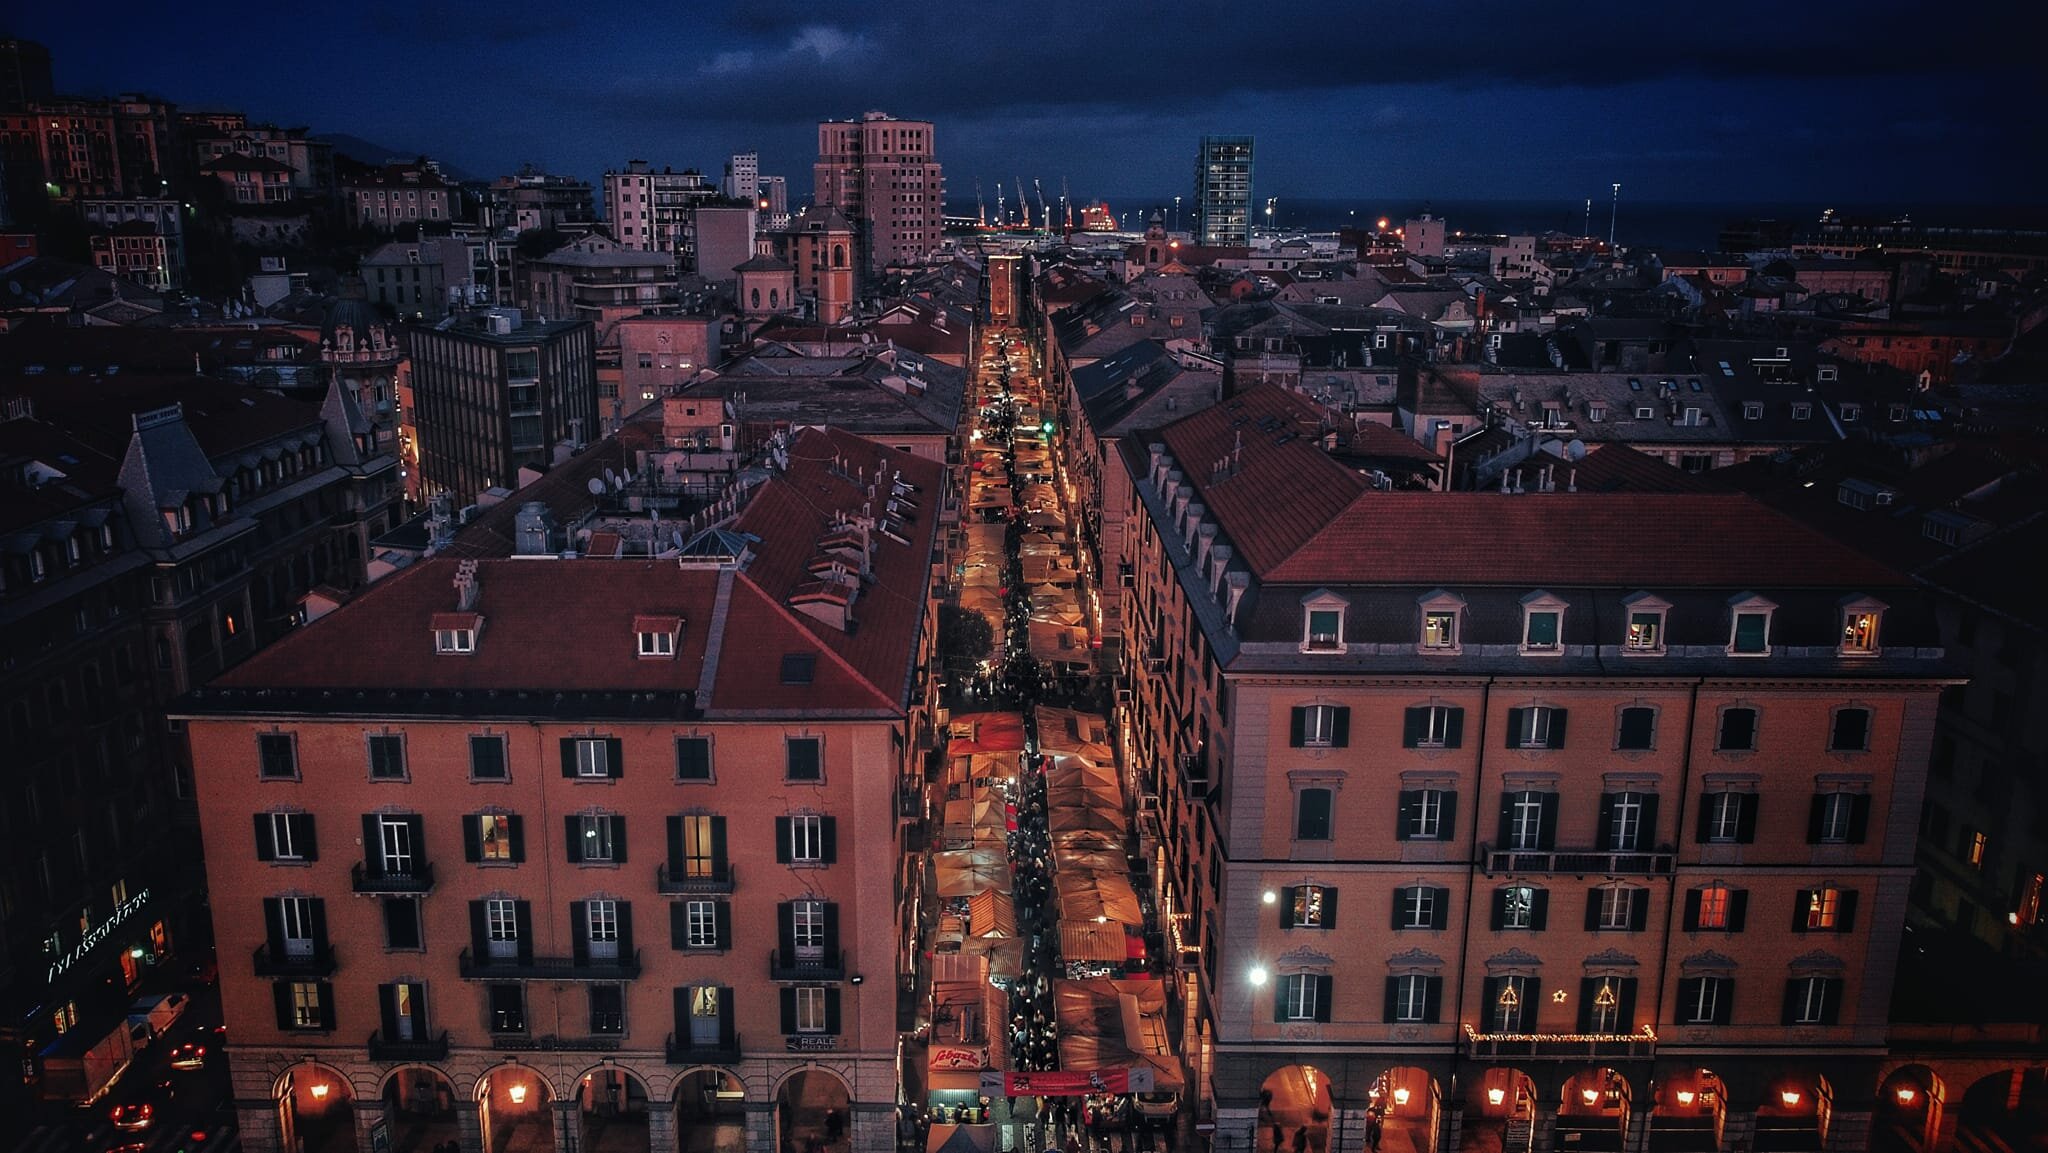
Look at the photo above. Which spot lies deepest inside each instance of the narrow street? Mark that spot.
(1045, 1020)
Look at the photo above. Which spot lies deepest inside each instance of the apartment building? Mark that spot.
(1618, 790)
(650, 210)
(494, 393)
(395, 195)
(508, 845)
(1223, 191)
(884, 175)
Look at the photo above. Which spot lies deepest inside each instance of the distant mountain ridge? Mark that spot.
(370, 152)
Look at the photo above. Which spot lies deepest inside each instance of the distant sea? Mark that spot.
(1692, 224)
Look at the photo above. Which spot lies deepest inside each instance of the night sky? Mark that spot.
(1789, 101)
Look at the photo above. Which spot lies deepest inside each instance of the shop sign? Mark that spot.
(97, 936)
(811, 1042)
(957, 1057)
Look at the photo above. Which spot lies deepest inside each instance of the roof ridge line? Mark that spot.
(714, 636)
(830, 652)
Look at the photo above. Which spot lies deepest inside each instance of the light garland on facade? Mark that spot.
(1645, 1034)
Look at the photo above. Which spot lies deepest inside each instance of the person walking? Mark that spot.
(1301, 1139)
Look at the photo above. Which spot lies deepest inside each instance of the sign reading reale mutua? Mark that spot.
(96, 936)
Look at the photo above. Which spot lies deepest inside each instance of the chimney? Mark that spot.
(533, 529)
(465, 587)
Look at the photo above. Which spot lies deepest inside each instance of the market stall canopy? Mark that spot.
(965, 872)
(1088, 840)
(1068, 731)
(961, 1138)
(1087, 941)
(1116, 1023)
(1106, 861)
(1100, 898)
(1066, 770)
(990, 913)
(1082, 811)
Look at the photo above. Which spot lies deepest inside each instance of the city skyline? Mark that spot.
(1494, 103)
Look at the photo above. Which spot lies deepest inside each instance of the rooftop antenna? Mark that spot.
(1587, 230)
(1613, 214)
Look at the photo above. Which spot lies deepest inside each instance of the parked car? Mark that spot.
(189, 1056)
(132, 1118)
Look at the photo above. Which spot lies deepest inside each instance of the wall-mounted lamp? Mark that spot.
(1790, 1097)
(517, 1093)
(1687, 1096)
(320, 1092)
(1401, 1096)
(1906, 1094)
(1496, 1096)
(1589, 1095)
(1258, 975)
(856, 978)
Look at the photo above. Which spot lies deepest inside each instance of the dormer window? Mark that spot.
(1860, 620)
(656, 636)
(1323, 622)
(1644, 633)
(1752, 410)
(456, 632)
(1542, 624)
(1749, 626)
(1442, 614)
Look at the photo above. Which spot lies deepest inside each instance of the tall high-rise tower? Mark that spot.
(884, 175)
(1223, 191)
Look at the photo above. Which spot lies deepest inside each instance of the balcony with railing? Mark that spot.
(550, 1043)
(1579, 862)
(720, 879)
(429, 1049)
(625, 967)
(683, 1051)
(418, 877)
(829, 967)
(1563, 1046)
(318, 962)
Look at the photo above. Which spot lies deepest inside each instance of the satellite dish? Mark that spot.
(676, 535)
(610, 478)
(595, 486)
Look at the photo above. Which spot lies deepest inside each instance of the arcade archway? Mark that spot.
(814, 1105)
(2009, 1105)
(1292, 1099)
(515, 1108)
(316, 1109)
(1592, 1115)
(1794, 1114)
(1405, 1106)
(1500, 1113)
(419, 1107)
(1909, 1110)
(612, 1110)
(711, 1113)
(1688, 1113)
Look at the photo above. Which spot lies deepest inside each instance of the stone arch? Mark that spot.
(315, 1105)
(1409, 1101)
(805, 1099)
(419, 1102)
(1295, 1096)
(515, 1106)
(1689, 1104)
(1501, 1109)
(709, 1101)
(1595, 1103)
(839, 256)
(1912, 1104)
(1796, 1110)
(615, 1107)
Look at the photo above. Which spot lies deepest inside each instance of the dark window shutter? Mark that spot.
(618, 840)
(579, 930)
(625, 930)
(1432, 998)
(1692, 910)
(1489, 1003)
(479, 936)
(1646, 838)
(1625, 998)
(568, 756)
(721, 914)
(273, 924)
(266, 838)
(682, 1016)
(373, 852)
(472, 840)
(1745, 819)
(1703, 829)
(1514, 728)
(1280, 988)
(1440, 909)
(1859, 818)
(1340, 736)
(1845, 910)
(1724, 1001)
(1794, 989)
(718, 850)
(1398, 918)
(828, 829)
(1688, 997)
(326, 991)
(1323, 984)
(1404, 813)
(832, 1011)
(782, 840)
(1816, 818)
(319, 919)
(1500, 918)
(831, 931)
(785, 931)
(788, 1009)
(1606, 826)
(387, 1009)
(675, 847)
(1390, 1010)
(1830, 1000)
(1287, 907)
(1454, 728)
(572, 826)
(281, 995)
(417, 826)
(1297, 728)
(678, 925)
(726, 1036)
(1507, 821)
(615, 757)
(1557, 719)
(1414, 723)
(1539, 910)
(308, 843)
(1546, 833)
(1638, 910)
(522, 917)
(1447, 816)
(1592, 911)
(1802, 902)
(1738, 909)
(518, 831)
(1329, 907)
(1589, 988)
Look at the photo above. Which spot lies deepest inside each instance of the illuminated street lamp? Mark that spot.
(1258, 975)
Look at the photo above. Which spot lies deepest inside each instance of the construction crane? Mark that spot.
(1044, 218)
(1002, 211)
(980, 208)
(1066, 207)
(1023, 204)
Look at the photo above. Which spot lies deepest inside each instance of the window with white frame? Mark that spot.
(1298, 996)
(1616, 908)
(1424, 814)
(1645, 632)
(1323, 627)
(291, 835)
(454, 640)
(1701, 1000)
(1537, 727)
(807, 837)
(1518, 907)
(1836, 818)
(700, 923)
(1749, 626)
(1722, 817)
(494, 836)
(602, 924)
(593, 757)
(1410, 996)
(1603, 1015)
(808, 917)
(1823, 908)
(1859, 630)
(1510, 1005)
(1542, 624)
(1416, 907)
(1525, 810)
(1319, 726)
(1813, 1000)
(657, 644)
(1308, 906)
(305, 1003)
(594, 831)
(501, 926)
(1442, 622)
(810, 1008)
(1432, 727)
(1715, 903)
(1625, 821)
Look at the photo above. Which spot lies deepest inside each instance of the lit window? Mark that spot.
(495, 837)
(1518, 907)
(1644, 635)
(810, 1008)
(1823, 908)
(305, 1005)
(1713, 913)
(1859, 629)
(1308, 907)
(1603, 1010)
(657, 644)
(1979, 848)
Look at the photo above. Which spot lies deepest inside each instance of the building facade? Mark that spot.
(535, 199)
(398, 194)
(743, 176)
(1223, 191)
(650, 210)
(820, 244)
(884, 175)
(662, 893)
(1673, 927)
(494, 393)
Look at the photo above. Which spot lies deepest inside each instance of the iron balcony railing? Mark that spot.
(1579, 862)
(620, 968)
(721, 880)
(830, 967)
